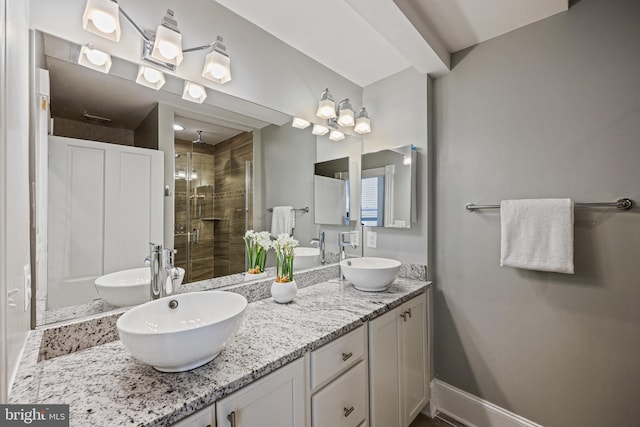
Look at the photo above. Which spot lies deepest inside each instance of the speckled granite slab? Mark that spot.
(105, 385)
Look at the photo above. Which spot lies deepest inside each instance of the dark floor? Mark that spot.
(424, 421)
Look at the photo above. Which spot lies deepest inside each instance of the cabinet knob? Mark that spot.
(348, 411)
(346, 356)
(232, 418)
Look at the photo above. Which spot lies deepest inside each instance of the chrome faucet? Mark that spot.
(154, 260)
(171, 273)
(341, 245)
(320, 242)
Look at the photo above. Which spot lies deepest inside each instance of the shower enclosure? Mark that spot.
(213, 194)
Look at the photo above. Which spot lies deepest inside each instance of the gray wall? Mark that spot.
(550, 110)
(288, 156)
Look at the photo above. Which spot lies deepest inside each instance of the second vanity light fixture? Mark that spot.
(342, 116)
(161, 48)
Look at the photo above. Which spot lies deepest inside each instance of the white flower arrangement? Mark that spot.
(257, 244)
(284, 246)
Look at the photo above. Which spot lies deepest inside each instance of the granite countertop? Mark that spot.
(105, 385)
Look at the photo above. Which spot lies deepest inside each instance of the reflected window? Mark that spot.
(373, 201)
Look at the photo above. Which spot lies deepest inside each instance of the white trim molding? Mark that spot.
(472, 410)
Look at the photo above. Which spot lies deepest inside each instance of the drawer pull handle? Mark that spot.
(232, 418)
(404, 316)
(409, 313)
(348, 411)
(346, 356)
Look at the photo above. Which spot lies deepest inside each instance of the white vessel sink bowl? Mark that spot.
(128, 287)
(370, 274)
(185, 337)
(304, 257)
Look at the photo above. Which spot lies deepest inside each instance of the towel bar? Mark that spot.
(305, 209)
(621, 204)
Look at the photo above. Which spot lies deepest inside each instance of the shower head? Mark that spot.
(198, 140)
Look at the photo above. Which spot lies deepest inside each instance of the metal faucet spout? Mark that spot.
(155, 265)
(321, 246)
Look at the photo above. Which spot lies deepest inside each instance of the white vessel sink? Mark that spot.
(304, 257)
(185, 337)
(128, 287)
(370, 274)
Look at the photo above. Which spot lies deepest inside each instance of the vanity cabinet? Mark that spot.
(339, 382)
(398, 364)
(203, 418)
(277, 400)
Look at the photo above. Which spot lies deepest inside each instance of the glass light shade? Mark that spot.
(102, 17)
(319, 130)
(363, 125)
(336, 135)
(300, 123)
(194, 92)
(94, 59)
(177, 127)
(406, 160)
(346, 117)
(326, 109)
(150, 77)
(217, 67)
(167, 46)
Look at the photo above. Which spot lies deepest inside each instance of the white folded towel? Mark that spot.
(537, 234)
(282, 220)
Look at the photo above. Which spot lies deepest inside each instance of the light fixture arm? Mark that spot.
(148, 39)
(139, 30)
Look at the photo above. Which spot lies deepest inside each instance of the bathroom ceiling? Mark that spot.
(366, 41)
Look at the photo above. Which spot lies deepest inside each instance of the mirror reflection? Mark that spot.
(196, 187)
(331, 191)
(388, 188)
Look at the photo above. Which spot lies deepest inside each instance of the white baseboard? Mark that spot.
(471, 410)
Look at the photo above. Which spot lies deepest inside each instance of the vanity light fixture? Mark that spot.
(101, 17)
(300, 123)
(335, 134)
(162, 47)
(94, 59)
(345, 113)
(319, 130)
(326, 105)
(217, 65)
(194, 92)
(363, 124)
(150, 77)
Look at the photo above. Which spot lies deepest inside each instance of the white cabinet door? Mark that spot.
(277, 400)
(414, 380)
(384, 374)
(398, 364)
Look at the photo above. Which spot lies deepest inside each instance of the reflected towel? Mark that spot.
(282, 220)
(537, 234)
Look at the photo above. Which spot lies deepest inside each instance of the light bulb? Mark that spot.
(195, 91)
(152, 75)
(217, 71)
(168, 50)
(103, 21)
(96, 57)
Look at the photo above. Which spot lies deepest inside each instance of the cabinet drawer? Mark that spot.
(343, 403)
(333, 358)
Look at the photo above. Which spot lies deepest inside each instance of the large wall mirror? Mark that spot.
(212, 177)
(388, 188)
(331, 192)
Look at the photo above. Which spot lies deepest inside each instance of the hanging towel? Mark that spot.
(282, 220)
(537, 234)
